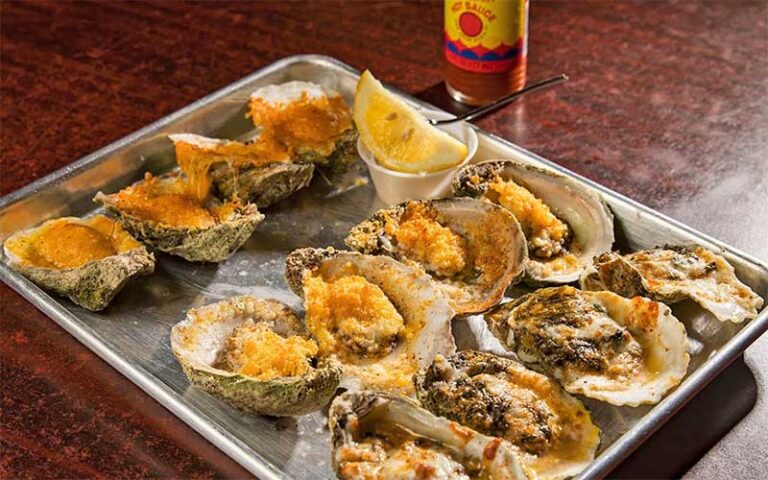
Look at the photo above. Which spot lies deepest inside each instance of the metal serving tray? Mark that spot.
(133, 333)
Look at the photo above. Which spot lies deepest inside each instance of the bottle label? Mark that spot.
(485, 36)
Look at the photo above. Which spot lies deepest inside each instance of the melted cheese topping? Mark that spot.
(168, 202)
(257, 351)
(196, 155)
(422, 239)
(309, 122)
(546, 233)
(351, 315)
(71, 243)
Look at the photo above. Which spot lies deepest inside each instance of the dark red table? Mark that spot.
(667, 104)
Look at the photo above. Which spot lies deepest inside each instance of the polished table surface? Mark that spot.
(668, 104)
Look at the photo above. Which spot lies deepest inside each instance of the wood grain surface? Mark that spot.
(668, 104)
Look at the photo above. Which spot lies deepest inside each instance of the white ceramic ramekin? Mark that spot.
(396, 187)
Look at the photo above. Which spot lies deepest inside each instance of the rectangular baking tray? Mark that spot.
(133, 333)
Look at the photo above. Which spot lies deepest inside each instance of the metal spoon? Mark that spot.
(479, 112)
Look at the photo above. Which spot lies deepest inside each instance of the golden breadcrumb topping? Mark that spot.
(351, 314)
(545, 232)
(257, 351)
(422, 239)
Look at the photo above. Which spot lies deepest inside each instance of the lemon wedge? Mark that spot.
(397, 135)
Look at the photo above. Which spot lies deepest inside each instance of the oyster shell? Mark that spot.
(598, 344)
(499, 397)
(310, 121)
(161, 212)
(383, 436)
(473, 250)
(672, 274)
(211, 344)
(565, 223)
(255, 172)
(382, 319)
(87, 260)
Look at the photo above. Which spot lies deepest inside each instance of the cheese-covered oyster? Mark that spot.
(566, 224)
(380, 318)
(472, 249)
(387, 437)
(313, 123)
(164, 214)
(254, 353)
(88, 260)
(598, 344)
(672, 274)
(259, 171)
(500, 397)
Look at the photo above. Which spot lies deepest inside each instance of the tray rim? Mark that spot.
(252, 460)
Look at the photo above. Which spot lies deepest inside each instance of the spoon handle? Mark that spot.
(479, 112)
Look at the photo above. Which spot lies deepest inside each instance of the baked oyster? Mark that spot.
(672, 274)
(565, 223)
(164, 214)
(473, 250)
(382, 436)
(597, 344)
(88, 260)
(500, 397)
(313, 123)
(254, 354)
(258, 171)
(380, 318)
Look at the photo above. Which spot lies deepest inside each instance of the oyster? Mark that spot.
(259, 171)
(672, 274)
(565, 223)
(383, 436)
(383, 320)
(313, 123)
(254, 354)
(161, 212)
(472, 249)
(598, 344)
(500, 397)
(87, 260)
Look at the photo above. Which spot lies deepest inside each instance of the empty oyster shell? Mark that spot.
(598, 344)
(162, 213)
(672, 274)
(87, 260)
(566, 224)
(383, 436)
(313, 123)
(500, 397)
(257, 172)
(382, 319)
(472, 249)
(253, 353)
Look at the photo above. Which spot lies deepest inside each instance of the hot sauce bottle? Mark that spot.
(486, 43)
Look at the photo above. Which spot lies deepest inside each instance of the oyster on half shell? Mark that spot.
(598, 344)
(313, 123)
(87, 260)
(387, 437)
(566, 224)
(164, 214)
(380, 318)
(672, 274)
(500, 397)
(258, 171)
(472, 249)
(254, 354)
